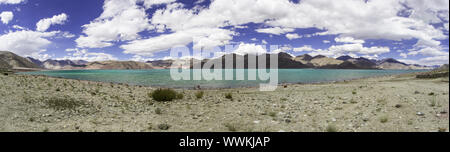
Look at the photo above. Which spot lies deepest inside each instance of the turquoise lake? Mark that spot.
(162, 78)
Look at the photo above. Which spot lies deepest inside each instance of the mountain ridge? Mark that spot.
(9, 60)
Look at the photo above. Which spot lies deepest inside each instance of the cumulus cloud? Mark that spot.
(356, 19)
(348, 40)
(40, 55)
(303, 48)
(139, 58)
(11, 1)
(429, 11)
(150, 3)
(83, 54)
(67, 35)
(264, 42)
(429, 61)
(121, 20)
(355, 49)
(292, 36)
(253, 49)
(429, 52)
(25, 43)
(45, 23)
(353, 21)
(403, 55)
(202, 38)
(17, 27)
(6, 16)
(275, 30)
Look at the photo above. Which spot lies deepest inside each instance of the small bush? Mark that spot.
(158, 111)
(180, 96)
(353, 101)
(199, 95)
(433, 102)
(272, 114)
(164, 95)
(229, 96)
(164, 126)
(231, 127)
(332, 128)
(353, 92)
(384, 119)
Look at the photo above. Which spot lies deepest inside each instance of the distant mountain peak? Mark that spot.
(9, 60)
(305, 57)
(319, 56)
(284, 54)
(344, 58)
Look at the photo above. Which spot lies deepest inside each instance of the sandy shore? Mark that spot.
(393, 103)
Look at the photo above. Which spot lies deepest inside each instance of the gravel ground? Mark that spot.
(384, 104)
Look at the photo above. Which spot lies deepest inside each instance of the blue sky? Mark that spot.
(412, 31)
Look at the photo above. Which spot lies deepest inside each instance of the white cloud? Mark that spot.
(6, 16)
(139, 58)
(45, 23)
(304, 48)
(436, 60)
(67, 35)
(240, 27)
(264, 42)
(202, 38)
(40, 55)
(150, 3)
(446, 26)
(25, 43)
(19, 27)
(275, 30)
(326, 41)
(429, 11)
(292, 36)
(354, 50)
(250, 49)
(356, 19)
(429, 61)
(403, 55)
(429, 51)
(11, 1)
(121, 20)
(348, 40)
(83, 54)
(284, 49)
(357, 48)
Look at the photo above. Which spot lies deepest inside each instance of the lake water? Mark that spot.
(162, 78)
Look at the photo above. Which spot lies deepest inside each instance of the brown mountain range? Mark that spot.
(10, 60)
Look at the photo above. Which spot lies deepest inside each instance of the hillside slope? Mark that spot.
(119, 65)
(9, 60)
